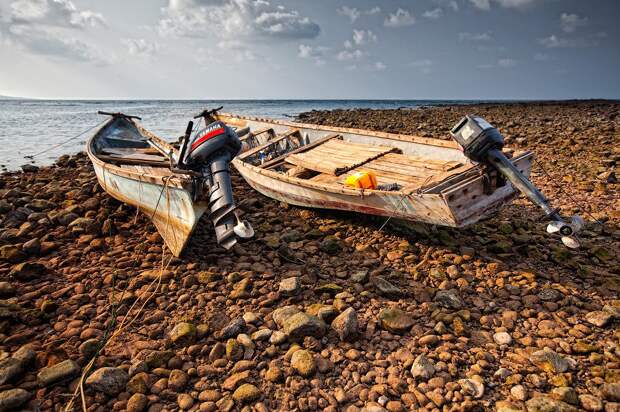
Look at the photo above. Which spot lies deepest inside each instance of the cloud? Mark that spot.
(465, 36)
(141, 47)
(433, 14)
(353, 13)
(505, 63)
(486, 4)
(51, 28)
(234, 19)
(452, 4)
(363, 37)
(379, 66)
(556, 42)
(313, 53)
(541, 57)
(423, 66)
(399, 19)
(570, 22)
(351, 55)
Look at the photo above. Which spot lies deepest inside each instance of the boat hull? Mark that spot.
(169, 206)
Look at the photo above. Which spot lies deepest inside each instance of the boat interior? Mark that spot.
(330, 159)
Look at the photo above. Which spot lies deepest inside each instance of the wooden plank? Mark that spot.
(128, 161)
(277, 139)
(301, 149)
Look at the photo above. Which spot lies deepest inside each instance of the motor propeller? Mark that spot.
(483, 143)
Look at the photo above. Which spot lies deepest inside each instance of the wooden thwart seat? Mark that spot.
(335, 157)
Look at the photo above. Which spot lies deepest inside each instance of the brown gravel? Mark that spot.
(498, 315)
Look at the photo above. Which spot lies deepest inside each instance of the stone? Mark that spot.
(185, 401)
(89, 347)
(28, 271)
(234, 350)
(241, 289)
(422, 368)
(329, 288)
(599, 318)
(12, 399)
(549, 361)
(278, 337)
(138, 383)
(303, 363)
(6, 290)
(301, 325)
(395, 320)
(177, 380)
(565, 394)
(261, 335)
(108, 380)
(246, 393)
(330, 245)
(611, 391)
(386, 288)
(235, 380)
(346, 325)
(183, 334)
(505, 406)
(274, 374)
(361, 276)
(449, 299)
(502, 338)
(137, 403)
(290, 286)
(64, 370)
(12, 254)
(10, 369)
(547, 404)
(232, 329)
(590, 403)
(519, 392)
(281, 314)
(472, 387)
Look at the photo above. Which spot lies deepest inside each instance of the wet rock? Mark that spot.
(345, 324)
(422, 368)
(64, 370)
(590, 403)
(303, 362)
(449, 299)
(13, 399)
(386, 288)
(473, 387)
(599, 318)
(246, 393)
(549, 361)
(546, 404)
(395, 320)
(290, 286)
(28, 271)
(183, 333)
(28, 168)
(108, 380)
(301, 325)
(137, 403)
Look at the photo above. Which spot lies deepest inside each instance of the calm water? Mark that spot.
(31, 126)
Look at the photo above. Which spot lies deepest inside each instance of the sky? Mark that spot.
(312, 49)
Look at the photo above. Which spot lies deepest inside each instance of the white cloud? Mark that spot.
(51, 28)
(234, 19)
(353, 13)
(433, 14)
(379, 66)
(141, 47)
(363, 37)
(486, 4)
(313, 53)
(570, 22)
(423, 66)
(452, 4)
(465, 36)
(555, 42)
(506, 62)
(351, 55)
(399, 19)
(541, 57)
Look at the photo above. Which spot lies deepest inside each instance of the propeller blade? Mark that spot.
(555, 226)
(243, 229)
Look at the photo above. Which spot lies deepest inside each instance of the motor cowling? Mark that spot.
(210, 152)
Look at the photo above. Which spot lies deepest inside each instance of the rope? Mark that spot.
(568, 195)
(66, 141)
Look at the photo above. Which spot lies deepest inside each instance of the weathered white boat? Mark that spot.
(426, 180)
(138, 168)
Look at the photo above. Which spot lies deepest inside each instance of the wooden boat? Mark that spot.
(421, 179)
(138, 168)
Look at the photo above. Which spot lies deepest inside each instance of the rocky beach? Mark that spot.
(322, 311)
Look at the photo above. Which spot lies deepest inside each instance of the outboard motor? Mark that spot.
(483, 143)
(210, 152)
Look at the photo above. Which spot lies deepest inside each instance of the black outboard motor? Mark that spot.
(483, 143)
(210, 152)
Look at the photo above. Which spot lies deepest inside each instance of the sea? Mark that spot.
(39, 131)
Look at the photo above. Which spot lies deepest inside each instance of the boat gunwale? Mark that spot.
(176, 179)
